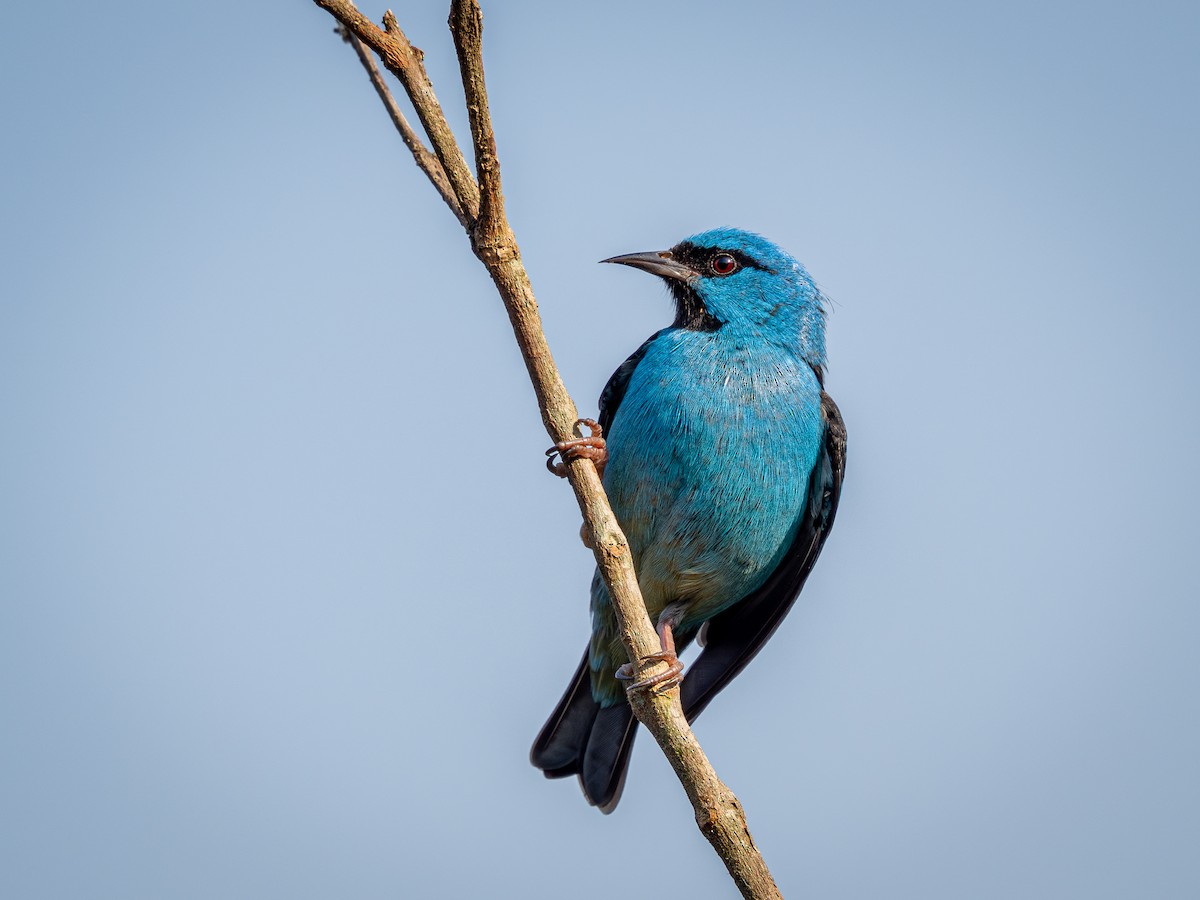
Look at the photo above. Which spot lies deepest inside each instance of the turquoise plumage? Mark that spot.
(724, 465)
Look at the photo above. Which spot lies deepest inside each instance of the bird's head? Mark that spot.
(728, 278)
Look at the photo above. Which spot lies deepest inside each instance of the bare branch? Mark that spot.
(406, 62)
(466, 24)
(718, 813)
(425, 160)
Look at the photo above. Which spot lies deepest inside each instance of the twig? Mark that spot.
(406, 62)
(718, 812)
(424, 158)
(466, 25)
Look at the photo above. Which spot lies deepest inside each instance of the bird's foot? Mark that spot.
(591, 447)
(660, 682)
(663, 681)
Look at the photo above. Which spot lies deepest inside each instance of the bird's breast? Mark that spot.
(710, 454)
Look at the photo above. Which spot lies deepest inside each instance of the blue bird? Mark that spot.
(723, 459)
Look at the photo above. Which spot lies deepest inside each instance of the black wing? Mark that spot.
(618, 384)
(733, 637)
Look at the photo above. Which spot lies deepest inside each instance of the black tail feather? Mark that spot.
(606, 760)
(582, 739)
(558, 750)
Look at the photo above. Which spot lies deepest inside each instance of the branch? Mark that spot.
(719, 815)
(466, 25)
(406, 62)
(426, 161)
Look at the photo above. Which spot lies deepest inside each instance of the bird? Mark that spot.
(722, 457)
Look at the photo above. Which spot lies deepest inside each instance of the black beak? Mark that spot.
(656, 262)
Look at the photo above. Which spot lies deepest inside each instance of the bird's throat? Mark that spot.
(690, 311)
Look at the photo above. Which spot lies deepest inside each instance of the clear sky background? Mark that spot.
(286, 592)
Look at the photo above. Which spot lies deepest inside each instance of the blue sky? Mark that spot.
(285, 590)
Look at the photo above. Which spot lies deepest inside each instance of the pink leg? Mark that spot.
(662, 681)
(591, 447)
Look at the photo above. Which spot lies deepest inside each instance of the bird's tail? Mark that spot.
(582, 738)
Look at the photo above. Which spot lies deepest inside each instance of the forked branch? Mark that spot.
(480, 206)
(426, 161)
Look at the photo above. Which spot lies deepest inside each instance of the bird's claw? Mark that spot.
(660, 682)
(591, 447)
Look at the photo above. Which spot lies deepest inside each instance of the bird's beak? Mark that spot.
(656, 262)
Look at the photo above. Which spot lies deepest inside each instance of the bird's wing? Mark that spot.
(733, 637)
(614, 391)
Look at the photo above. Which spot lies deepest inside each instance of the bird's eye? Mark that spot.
(724, 264)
